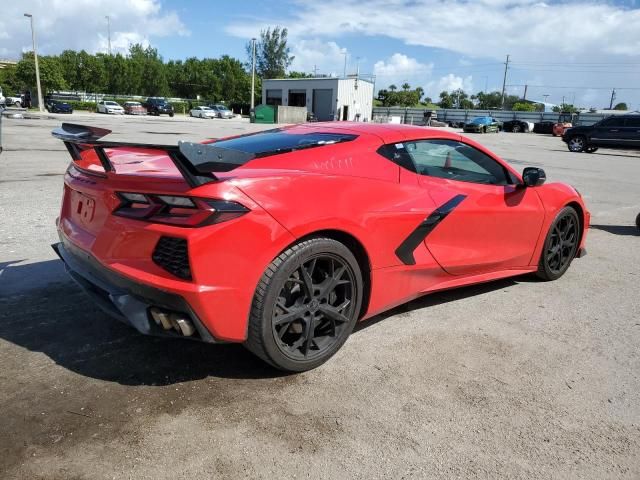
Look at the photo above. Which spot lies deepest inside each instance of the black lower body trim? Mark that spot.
(405, 251)
(124, 299)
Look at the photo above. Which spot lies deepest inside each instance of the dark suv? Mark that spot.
(158, 106)
(617, 131)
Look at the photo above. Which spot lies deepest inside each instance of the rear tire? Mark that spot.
(306, 305)
(560, 245)
(516, 129)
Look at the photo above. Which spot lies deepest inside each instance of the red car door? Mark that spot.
(484, 221)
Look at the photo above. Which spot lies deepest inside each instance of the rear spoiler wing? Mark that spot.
(196, 162)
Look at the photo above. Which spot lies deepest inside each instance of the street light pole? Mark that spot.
(344, 73)
(253, 72)
(35, 57)
(109, 32)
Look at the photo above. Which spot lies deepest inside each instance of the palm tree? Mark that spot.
(393, 88)
(406, 86)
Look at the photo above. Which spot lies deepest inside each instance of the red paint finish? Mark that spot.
(345, 190)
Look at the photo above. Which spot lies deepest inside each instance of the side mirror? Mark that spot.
(533, 176)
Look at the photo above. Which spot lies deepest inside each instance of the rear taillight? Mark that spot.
(177, 210)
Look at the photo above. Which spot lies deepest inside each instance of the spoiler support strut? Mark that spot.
(194, 161)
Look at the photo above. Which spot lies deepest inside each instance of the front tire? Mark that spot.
(560, 246)
(306, 305)
(577, 144)
(516, 129)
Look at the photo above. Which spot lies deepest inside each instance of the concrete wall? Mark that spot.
(291, 114)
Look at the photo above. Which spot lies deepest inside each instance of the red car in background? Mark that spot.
(134, 108)
(282, 240)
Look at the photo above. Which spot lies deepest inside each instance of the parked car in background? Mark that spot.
(202, 112)
(565, 120)
(482, 125)
(517, 126)
(545, 126)
(14, 101)
(134, 108)
(109, 106)
(57, 106)
(617, 131)
(221, 111)
(158, 106)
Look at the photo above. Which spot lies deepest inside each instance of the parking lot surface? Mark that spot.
(512, 379)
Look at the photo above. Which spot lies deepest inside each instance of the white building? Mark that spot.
(329, 98)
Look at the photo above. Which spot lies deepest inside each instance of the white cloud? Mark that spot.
(399, 69)
(450, 83)
(326, 57)
(81, 24)
(527, 29)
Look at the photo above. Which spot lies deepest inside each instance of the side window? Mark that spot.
(612, 122)
(633, 122)
(448, 159)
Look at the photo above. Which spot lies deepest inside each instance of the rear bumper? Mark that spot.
(124, 299)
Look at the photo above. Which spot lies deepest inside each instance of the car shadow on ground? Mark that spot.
(625, 230)
(59, 320)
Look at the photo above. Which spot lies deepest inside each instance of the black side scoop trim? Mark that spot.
(405, 250)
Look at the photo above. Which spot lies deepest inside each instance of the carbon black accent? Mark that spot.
(405, 251)
(172, 255)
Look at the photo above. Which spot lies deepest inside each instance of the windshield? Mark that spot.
(272, 142)
(479, 120)
(111, 104)
(221, 107)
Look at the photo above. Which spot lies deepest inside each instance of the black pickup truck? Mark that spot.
(617, 131)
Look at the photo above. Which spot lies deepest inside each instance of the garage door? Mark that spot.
(322, 104)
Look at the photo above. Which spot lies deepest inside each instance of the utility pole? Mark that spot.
(524, 97)
(253, 72)
(613, 97)
(504, 80)
(315, 70)
(562, 104)
(35, 57)
(109, 32)
(344, 73)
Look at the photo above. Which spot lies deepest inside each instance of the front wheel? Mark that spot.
(560, 246)
(516, 129)
(306, 305)
(577, 144)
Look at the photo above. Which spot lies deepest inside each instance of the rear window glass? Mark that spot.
(273, 142)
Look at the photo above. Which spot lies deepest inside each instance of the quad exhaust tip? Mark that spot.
(173, 320)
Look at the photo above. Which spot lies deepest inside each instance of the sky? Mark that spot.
(576, 50)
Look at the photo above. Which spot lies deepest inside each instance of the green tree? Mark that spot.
(51, 77)
(524, 107)
(621, 106)
(446, 100)
(392, 88)
(273, 56)
(299, 75)
(565, 107)
(9, 81)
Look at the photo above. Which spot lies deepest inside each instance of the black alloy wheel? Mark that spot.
(561, 245)
(516, 129)
(306, 305)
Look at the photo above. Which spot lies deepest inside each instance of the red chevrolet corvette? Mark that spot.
(284, 239)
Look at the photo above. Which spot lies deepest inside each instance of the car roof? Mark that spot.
(387, 132)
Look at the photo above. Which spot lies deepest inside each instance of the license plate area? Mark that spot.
(83, 208)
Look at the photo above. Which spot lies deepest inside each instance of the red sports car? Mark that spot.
(282, 240)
